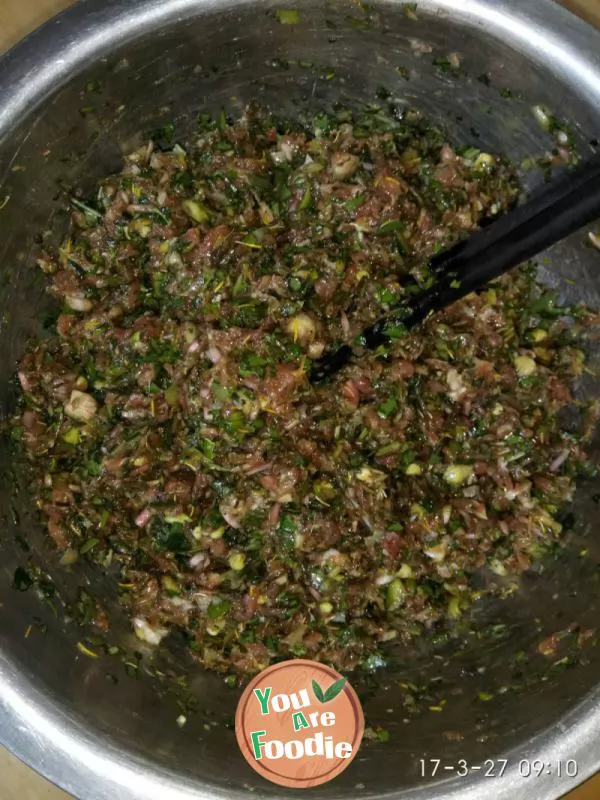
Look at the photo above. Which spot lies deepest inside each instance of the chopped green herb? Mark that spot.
(22, 580)
(288, 16)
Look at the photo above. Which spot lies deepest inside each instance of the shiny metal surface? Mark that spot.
(158, 60)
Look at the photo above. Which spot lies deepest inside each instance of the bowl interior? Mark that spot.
(220, 55)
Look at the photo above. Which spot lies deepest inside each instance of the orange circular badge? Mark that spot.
(299, 723)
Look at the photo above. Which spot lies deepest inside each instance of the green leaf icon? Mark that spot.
(334, 689)
(318, 692)
(329, 694)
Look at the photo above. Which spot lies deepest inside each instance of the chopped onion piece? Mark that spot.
(78, 302)
(594, 239)
(81, 406)
(543, 116)
(147, 633)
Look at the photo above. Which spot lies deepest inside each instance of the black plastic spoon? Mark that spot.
(562, 207)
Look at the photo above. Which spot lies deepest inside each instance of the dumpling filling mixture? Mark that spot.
(174, 437)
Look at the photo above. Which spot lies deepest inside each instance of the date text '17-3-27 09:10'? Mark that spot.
(495, 768)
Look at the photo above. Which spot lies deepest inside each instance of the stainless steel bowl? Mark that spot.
(73, 97)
